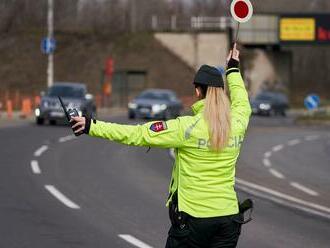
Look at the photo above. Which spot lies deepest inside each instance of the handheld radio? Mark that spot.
(69, 114)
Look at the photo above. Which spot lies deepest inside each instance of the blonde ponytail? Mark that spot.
(217, 115)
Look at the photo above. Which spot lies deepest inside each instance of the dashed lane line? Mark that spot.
(304, 189)
(266, 162)
(277, 148)
(276, 173)
(62, 198)
(172, 154)
(267, 154)
(40, 151)
(134, 241)
(35, 167)
(294, 142)
(66, 138)
(283, 199)
(312, 137)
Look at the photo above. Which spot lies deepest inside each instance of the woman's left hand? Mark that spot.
(233, 54)
(80, 124)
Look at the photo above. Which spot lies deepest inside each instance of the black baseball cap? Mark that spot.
(210, 76)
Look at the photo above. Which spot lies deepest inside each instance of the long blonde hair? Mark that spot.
(217, 116)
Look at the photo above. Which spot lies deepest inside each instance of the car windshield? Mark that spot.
(272, 97)
(66, 91)
(155, 95)
(264, 98)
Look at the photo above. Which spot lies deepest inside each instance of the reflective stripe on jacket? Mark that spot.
(203, 178)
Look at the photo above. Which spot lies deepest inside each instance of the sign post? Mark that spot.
(50, 20)
(241, 11)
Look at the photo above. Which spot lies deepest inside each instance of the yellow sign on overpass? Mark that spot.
(305, 28)
(297, 29)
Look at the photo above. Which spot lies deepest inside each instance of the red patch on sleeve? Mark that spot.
(158, 126)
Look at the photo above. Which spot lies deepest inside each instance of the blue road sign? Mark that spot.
(312, 101)
(48, 45)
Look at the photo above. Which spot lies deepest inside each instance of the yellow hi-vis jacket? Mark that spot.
(204, 179)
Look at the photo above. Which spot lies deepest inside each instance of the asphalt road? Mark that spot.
(57, 191)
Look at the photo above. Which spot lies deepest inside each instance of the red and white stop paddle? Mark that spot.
(241, 11)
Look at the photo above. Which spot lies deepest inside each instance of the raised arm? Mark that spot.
(240, 105)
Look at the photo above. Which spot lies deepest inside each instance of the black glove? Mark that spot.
(232, 63)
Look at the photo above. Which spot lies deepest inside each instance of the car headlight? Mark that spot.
(158, 107)
(37, 112)
(264, 106)
(132, 105)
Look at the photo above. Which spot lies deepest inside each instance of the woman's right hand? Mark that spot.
(79, 125)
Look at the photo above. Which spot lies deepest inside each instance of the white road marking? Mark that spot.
(283, 199)
(62, 198)
(134, 241)
(294, 142)
(312, 137)
(35, 167)
(40, 151)
(66, 138)
(267, 154)
(266, 162)
(304, 189)
(172, 155)
(276, 173)
(277, 148)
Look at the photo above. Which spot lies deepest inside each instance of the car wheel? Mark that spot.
(52, 122)
(40, 121)
(272, 112)
(131, 116)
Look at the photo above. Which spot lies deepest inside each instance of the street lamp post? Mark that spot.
(50, 22)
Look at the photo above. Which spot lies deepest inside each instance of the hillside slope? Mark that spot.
(81, 57)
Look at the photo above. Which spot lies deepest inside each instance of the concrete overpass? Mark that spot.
(208, 42)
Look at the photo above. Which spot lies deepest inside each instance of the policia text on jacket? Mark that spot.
(203, 205)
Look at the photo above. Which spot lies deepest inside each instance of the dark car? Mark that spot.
(74, 95)
(155, 104)
(270, 103)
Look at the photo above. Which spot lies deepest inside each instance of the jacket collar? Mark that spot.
(198, 106)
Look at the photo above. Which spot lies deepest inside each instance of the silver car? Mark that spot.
(74, 95)
(155, 104)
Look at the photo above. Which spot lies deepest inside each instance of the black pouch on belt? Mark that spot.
(244, 208)
(178, 219)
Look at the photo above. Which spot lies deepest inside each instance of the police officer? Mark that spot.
(203, 205)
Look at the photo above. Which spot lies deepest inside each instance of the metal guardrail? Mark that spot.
(193, 23)
(218, 23)
(262, 29)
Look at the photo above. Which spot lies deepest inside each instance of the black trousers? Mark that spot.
(216, 232)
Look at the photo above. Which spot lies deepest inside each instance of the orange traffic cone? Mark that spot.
(26, 108)
(37, 101)
(9, 105)
(0, 108)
